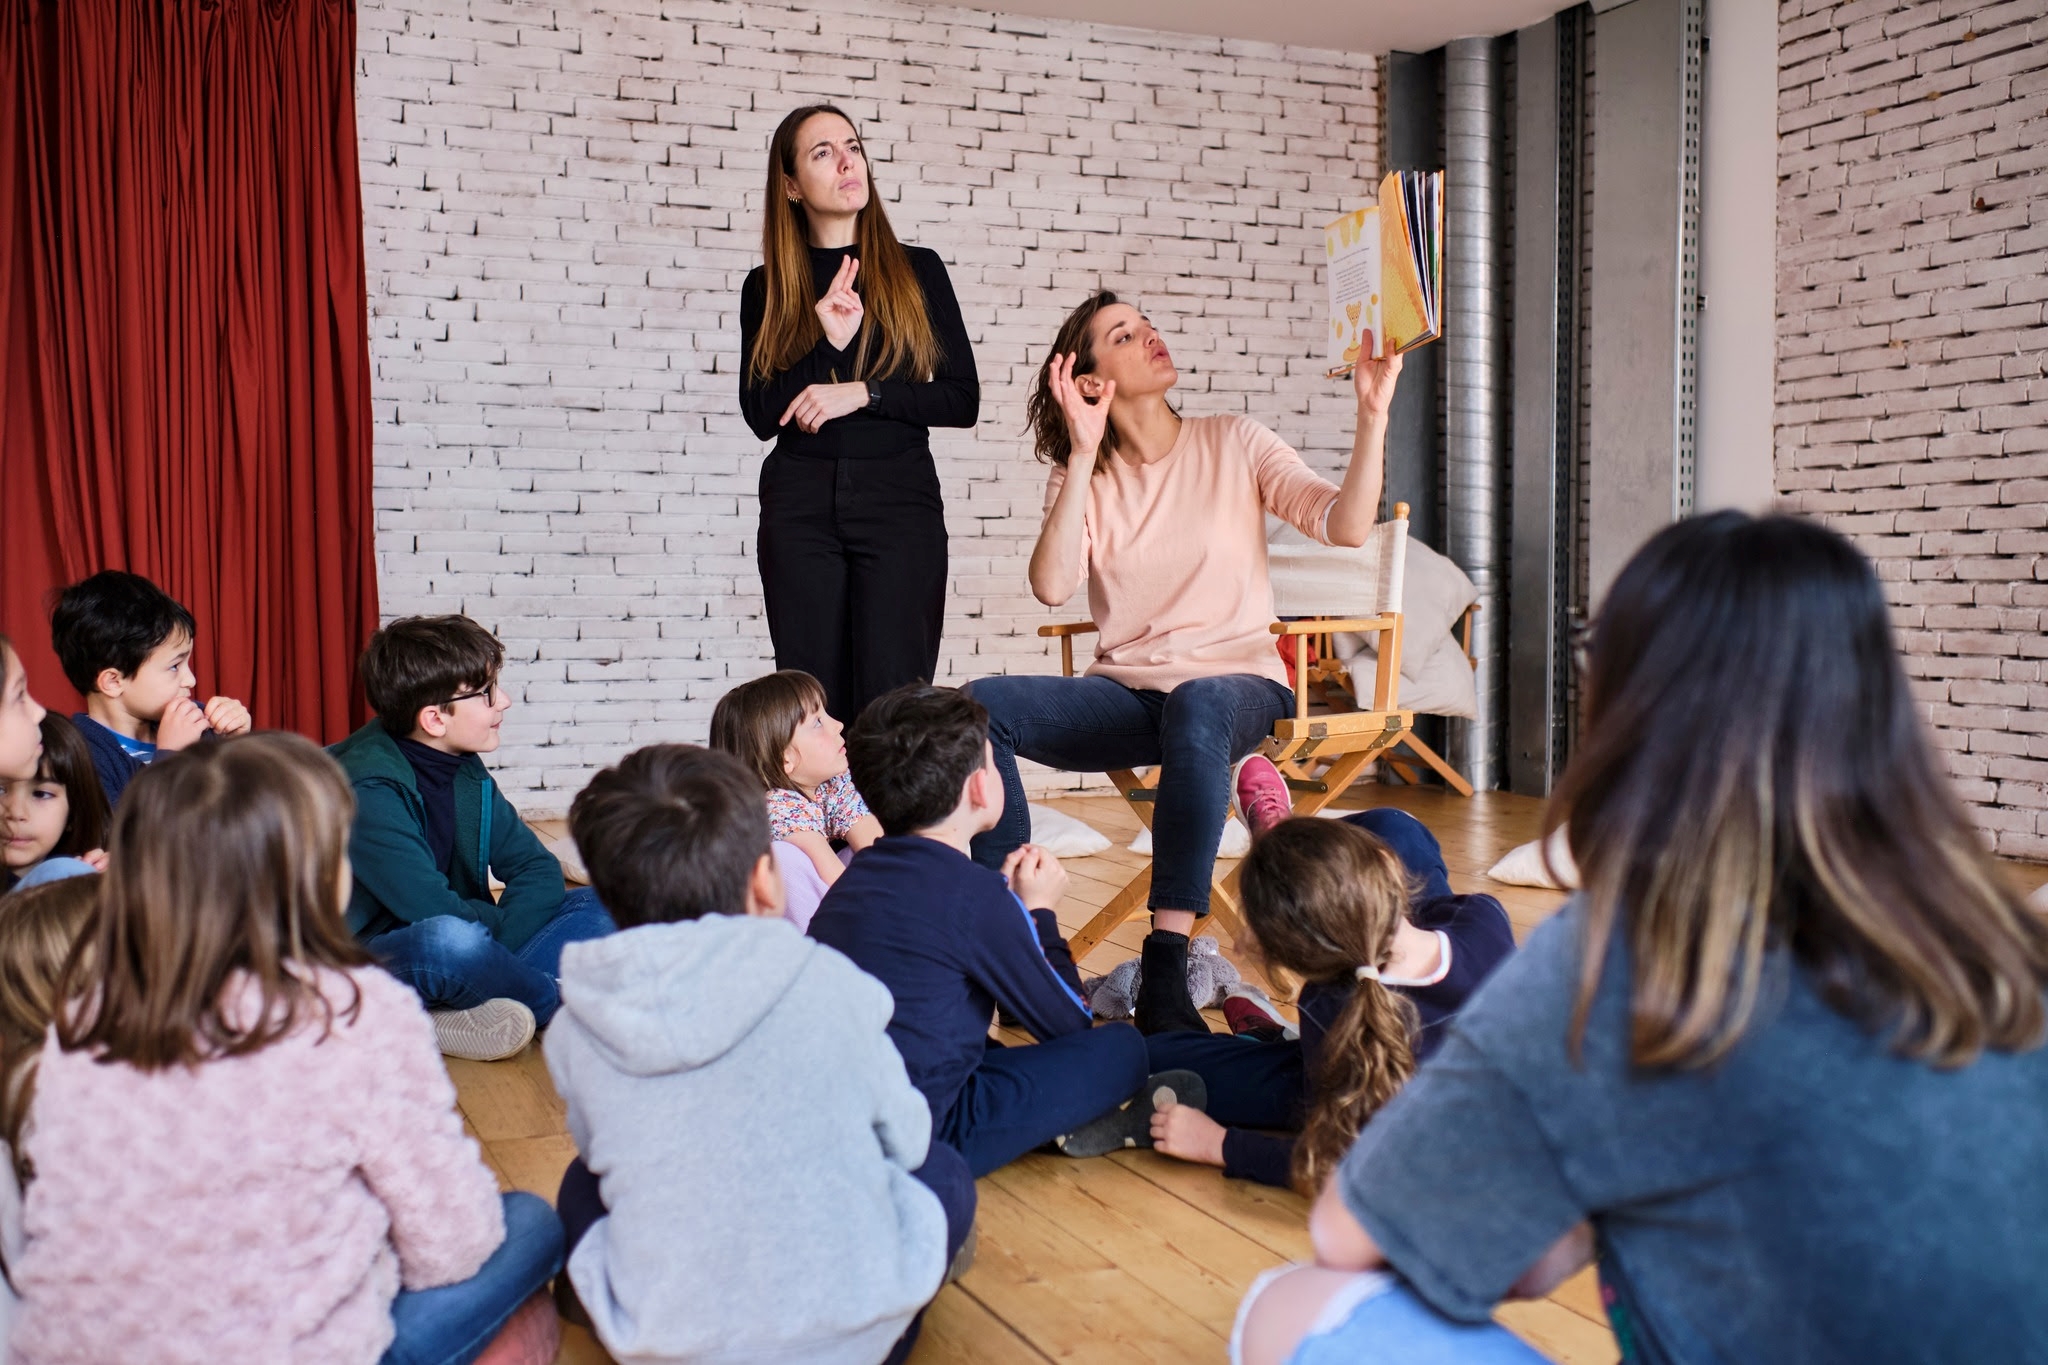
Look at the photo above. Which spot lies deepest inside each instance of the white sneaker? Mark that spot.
(490, 1032)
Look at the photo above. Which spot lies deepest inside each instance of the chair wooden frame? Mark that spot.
(1319, 752)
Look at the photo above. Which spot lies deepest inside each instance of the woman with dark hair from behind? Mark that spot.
(1778, 1065)
(851, 349)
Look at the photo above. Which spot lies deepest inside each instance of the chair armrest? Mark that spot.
(1067, 629)
(1318, 625)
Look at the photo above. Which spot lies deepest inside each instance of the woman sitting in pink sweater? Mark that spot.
(245, 1145)
(1165, 517)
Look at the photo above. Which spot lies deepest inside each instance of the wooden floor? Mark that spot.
(1132, 1257)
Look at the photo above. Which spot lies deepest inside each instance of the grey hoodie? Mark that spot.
(732, 1085)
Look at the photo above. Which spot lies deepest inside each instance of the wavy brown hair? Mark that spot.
(756, 721)
(226, 866)
(1324, 898)
(41, 926)
(1776, 790)
(896, 336)
(1042, 412)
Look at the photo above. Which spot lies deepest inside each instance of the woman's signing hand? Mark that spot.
(1086, 420)
(820, 403)
(840, 310)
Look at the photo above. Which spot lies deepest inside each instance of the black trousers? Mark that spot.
(853, 566)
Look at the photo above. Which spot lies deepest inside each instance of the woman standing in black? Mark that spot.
(851, 348)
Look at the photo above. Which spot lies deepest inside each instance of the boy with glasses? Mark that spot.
(431, 830)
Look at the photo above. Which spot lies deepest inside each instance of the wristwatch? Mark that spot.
(874, 395)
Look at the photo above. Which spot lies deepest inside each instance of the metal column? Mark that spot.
(1474, 376)
(1549, 73)
(1646, 161)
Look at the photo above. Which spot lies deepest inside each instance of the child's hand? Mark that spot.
(96, 859)
(1036, 876)
(1181, 1131)
(227, 716)
(181, 726)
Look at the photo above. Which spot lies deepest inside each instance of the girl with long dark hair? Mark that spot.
(851, 349)
(1778, 1064)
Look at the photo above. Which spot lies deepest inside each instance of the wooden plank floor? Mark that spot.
(1133, 1257)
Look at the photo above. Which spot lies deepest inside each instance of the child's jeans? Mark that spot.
(453, 1324)
(455, 964)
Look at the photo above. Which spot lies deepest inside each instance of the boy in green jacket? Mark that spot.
(431, 828)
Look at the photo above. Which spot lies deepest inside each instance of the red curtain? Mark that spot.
(184, 353)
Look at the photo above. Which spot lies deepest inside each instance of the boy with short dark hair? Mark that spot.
(953, 940)
(432, 828)
(126, 645)
(710, 1014)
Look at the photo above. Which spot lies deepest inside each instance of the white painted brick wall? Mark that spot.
(1912, 386)
(561, 201)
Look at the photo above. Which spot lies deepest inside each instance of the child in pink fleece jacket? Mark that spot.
(245, 1145)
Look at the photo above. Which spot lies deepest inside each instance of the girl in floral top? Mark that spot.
(779, 728)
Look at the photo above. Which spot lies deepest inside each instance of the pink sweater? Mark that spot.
(1175, 552)
(259, 1208)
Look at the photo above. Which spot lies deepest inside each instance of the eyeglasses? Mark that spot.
(491, 692)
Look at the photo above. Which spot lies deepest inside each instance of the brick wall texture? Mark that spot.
(1912, 398)
(560, 204)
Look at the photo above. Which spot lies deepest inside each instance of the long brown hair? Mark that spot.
(756, 721)
(1324, 898)
(896, 336)
(1776, 789)
(40, 928)
(225, 866)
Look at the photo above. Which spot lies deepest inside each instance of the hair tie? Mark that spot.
(1367, 973)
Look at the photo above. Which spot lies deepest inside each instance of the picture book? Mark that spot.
(1387, 270)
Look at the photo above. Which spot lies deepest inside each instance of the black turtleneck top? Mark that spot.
(909, 408)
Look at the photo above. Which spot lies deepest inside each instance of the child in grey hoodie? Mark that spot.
(757, 1181)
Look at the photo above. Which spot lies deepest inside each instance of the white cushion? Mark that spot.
(564, 849)
(1523, 865)
(1063, 836)
(1322, 580)
(1237, 840)
(2039, 900)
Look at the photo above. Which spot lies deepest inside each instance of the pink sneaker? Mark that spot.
(1259, 794)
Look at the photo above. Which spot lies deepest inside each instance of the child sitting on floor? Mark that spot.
(126, 645)
(245, 1145)
(21, 735)
(953, 940)
(707, 1012)
(432, 828)
(1359, 908)
(778, 728)
(37, 932)
(56, 817)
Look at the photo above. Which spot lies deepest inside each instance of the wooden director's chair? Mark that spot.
(1321, 749)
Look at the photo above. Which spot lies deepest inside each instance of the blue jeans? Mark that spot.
(1193, 734)
(1420, 854)
(452, 1325)
(455, 964)
(1021, 1098)
(1392, 1324)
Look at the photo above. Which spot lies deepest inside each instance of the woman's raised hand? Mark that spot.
(840, 310)
(1374, 379)
(1086, 419)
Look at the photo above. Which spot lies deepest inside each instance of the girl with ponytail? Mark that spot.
(1362, 911)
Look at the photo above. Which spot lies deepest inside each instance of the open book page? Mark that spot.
(1386, 271)
(1352, 248)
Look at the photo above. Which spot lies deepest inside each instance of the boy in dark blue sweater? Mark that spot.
(126, 645)
(953, 940)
